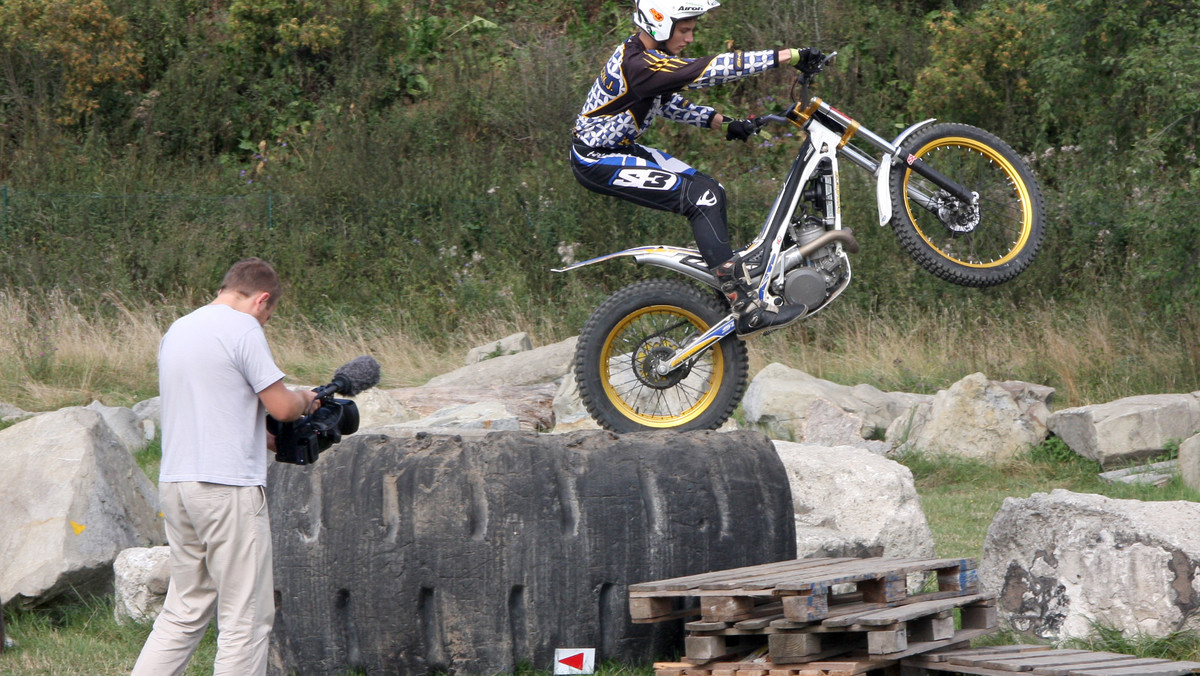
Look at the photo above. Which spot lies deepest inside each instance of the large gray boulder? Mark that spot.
(530, 405)
(474, 553)
(541, 365)
(826, 424)
(72, 498)
(125, 424)
(1062, 562)
(485, 415)
(378, 407)
(1127, 429)
(851, 502)
(976, 418)
(779, 399)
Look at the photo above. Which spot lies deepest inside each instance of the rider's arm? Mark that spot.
(679, 109)
(732, 66)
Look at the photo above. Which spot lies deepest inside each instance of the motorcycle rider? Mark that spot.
(642, 80)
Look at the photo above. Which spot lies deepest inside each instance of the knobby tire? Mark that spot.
(623, 336)
(983, 248)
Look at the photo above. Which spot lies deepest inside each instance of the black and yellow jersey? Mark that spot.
(639, 84)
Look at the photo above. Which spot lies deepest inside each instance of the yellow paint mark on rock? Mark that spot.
(78, 527)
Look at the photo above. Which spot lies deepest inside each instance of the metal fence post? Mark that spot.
(4, 209)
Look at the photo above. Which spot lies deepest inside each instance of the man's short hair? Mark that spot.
(250, 276)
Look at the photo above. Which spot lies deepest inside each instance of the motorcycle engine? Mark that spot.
(813, 280)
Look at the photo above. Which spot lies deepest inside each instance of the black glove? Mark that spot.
(740, 130)
(809, 60)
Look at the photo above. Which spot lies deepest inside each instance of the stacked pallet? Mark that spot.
(793, 617)
(1044, 661)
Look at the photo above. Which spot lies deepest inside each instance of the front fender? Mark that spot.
(687, 262)
(883, 175)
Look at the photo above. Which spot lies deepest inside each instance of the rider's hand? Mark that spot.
(740, 130)
(807, 60)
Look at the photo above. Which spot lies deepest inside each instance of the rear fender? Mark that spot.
(687, 262)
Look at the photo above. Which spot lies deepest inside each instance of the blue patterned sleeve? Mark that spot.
(679, 109)
(733, 66)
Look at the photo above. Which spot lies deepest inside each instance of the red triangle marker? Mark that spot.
(574, 661)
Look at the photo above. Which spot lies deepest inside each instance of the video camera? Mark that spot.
(299, 442)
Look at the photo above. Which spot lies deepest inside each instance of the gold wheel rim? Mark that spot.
(630, 408)
(1014, 181)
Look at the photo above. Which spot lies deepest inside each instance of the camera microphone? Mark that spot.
(300, 442)
(356, 375)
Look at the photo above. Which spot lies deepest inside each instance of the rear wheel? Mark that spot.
(981, 244)
(631, 332)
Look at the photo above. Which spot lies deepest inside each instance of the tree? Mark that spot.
(56, 54)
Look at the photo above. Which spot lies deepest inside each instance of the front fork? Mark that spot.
(697, 345)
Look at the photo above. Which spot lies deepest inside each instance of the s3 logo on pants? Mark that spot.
(650, 179)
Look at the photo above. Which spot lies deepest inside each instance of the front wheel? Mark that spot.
(981, 244)
(630, 333)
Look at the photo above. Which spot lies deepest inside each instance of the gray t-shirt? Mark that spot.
(212, 364)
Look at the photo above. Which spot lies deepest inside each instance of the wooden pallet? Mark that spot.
(802, 591)
(858, 662)
(1042, 661)
(749, 668)
(877, 632)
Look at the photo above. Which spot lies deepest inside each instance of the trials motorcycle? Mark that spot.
(664, 353)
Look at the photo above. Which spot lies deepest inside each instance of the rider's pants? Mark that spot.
(654, 179)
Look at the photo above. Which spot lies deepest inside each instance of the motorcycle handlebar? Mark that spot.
(804, 79)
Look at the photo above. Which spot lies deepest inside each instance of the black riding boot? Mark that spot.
(752, 314)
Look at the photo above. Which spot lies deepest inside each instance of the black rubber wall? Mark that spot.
(475, 555)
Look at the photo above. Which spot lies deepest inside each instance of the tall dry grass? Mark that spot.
(57, 350)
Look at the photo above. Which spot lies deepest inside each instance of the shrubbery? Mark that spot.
(414, 155)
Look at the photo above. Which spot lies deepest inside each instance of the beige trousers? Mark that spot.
(220, 539)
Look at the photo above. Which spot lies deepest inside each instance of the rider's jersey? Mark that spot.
(639, 84)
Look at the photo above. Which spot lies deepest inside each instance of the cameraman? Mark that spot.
(217, 382)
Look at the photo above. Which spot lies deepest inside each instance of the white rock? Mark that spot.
(852, 502)
(1062, 562)
(124, 423)
(517, 342)
(140, 579)
(9, 412)
(489, 415)
(148, 413)
(974, 418)
(1189, 461)
(1127, 429)
(378, 407)
(778, 399)
(542, 365)
(569, 412)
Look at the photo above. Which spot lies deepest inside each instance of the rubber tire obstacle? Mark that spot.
(476, 554)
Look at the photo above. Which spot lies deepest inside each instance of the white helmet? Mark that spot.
(658, 17)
